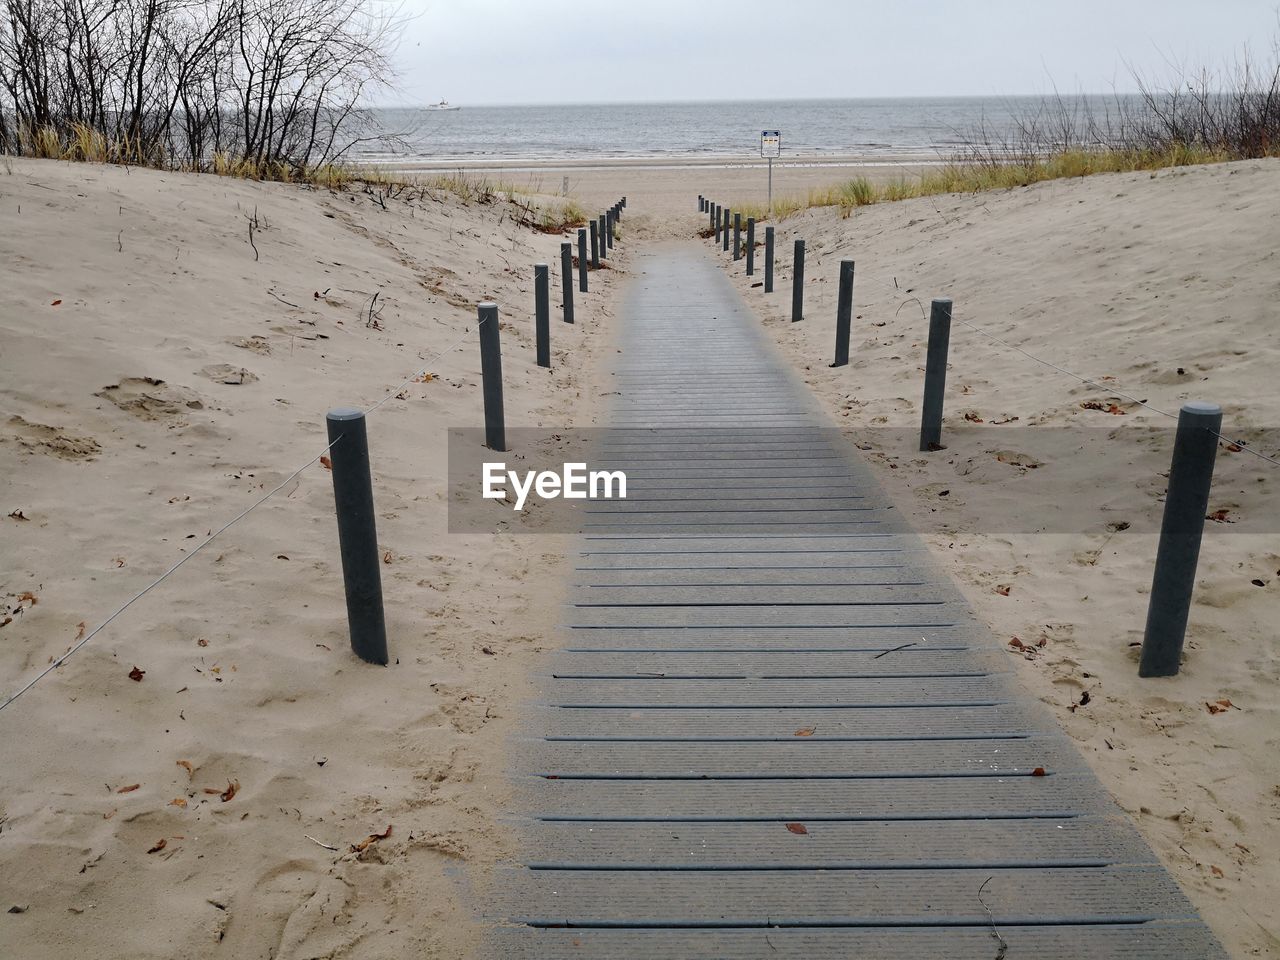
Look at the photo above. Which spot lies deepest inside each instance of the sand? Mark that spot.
(158, 378)
(670, 188)
(247, 676)
(1162, 288)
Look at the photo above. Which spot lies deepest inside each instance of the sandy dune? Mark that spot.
(158, 377)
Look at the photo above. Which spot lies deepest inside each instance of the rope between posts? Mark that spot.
(423, 369)
(163, 577)
(58, 662)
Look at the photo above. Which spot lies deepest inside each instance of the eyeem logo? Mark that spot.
(573, 482)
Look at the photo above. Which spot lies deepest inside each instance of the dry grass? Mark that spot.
(84, 144)
(564, 215)
(974, 176)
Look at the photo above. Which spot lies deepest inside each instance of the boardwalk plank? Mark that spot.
(834, 845)
(1163, 940)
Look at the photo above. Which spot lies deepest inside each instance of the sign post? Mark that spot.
(770, 147)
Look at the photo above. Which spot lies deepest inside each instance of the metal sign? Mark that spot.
(770, 147)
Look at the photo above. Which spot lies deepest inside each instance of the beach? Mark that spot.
(661, 188)
(215, 774)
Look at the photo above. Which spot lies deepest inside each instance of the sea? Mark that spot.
(922, 128)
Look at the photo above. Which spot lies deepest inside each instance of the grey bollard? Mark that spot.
(737, 236)
(595, 244)
(582, 259)
(935, 375)
(566, 268)
(542, 312)
(702, 204)
(725, 232)
(797, 283)
(357, 534)
(711, 214)
(495, 426)
(1185, 504)
(604, 235)
(751, 246)
(768, 259)
(844, 313)
(624, 201)
(610, 221)
(715, 220)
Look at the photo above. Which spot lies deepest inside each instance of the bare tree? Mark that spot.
(276, 86)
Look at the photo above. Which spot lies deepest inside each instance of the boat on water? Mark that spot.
(442, 105)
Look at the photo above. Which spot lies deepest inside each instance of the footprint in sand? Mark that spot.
(53, 441)
(1016, 459)
(149, 399)
(255, 343)
(228, 374)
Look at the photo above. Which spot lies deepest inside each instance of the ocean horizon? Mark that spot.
(923, 128)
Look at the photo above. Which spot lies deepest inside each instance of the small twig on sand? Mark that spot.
(321, 843)
(1002, 947)
(915, 300)
(283, 300)
(904, 646)
(1098, 554)
(254, 224)
(375, 315)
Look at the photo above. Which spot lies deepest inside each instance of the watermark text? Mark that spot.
(573, 482)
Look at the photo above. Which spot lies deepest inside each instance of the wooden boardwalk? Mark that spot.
(774, 730)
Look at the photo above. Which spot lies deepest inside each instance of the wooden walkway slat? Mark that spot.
(834, 845)
(748, 693)
(761, 898)
(855, 575)
(773, 728)
(800, 757)
(910, 662)
(818, 723)
(1161, 940)
(926, 798)
(785, 594)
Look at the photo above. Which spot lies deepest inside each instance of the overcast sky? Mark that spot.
(558, 51)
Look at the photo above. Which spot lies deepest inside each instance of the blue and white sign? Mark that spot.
(770, 143)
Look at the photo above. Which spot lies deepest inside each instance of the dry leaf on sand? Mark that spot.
(370, 840)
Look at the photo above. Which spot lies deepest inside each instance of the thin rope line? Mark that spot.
(423, 369)
(165, 576)
(226, 526)
(1101, 386)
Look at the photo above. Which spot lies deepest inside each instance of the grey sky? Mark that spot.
(572, 51)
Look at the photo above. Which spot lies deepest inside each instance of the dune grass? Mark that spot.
(561, 216)
(975, 176)
(532, 210)
(84, 144)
